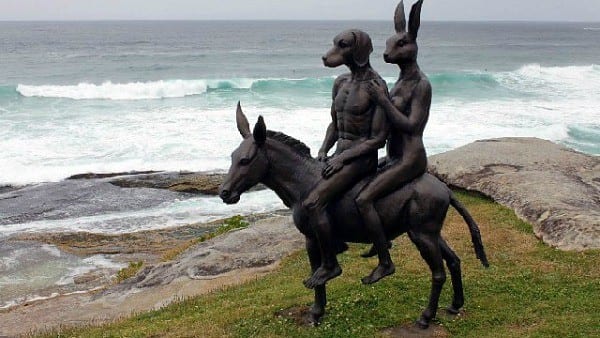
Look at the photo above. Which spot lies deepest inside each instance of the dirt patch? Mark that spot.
(413, 331)
(298, 314)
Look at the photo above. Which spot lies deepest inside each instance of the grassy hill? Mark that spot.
(530, 290)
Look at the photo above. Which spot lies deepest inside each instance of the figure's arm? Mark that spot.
(330, 137)
(421, 102)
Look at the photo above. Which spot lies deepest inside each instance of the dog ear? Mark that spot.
(400, 18)
(363, 47)
(414, 21)
(242, 122)
(260, 132)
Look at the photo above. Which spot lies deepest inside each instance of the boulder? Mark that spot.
(554, 188)
(263, 243)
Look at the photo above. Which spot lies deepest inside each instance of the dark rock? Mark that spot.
(77, 198)
(554, 188)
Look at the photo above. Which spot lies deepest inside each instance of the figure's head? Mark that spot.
(249, 162)
(402, 47)
(351, 48)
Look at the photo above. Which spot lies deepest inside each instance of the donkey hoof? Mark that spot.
(452, 310)
(422, 323)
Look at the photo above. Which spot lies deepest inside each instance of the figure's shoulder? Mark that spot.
(424, 83)
(340, 80)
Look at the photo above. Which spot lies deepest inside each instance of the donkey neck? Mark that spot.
(291, 176)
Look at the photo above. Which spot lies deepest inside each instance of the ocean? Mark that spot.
(104, 97)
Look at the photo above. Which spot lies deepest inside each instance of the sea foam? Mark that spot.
(159, 89)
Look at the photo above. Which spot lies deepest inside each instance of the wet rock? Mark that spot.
(261, 244)
(77, 198)
(554, 188)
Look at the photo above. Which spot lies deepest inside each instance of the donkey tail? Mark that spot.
(473, 229)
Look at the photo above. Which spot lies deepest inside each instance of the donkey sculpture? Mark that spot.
(419, 208)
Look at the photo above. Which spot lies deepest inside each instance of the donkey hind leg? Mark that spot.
(317, 310)
(429, 248)
(453, 264)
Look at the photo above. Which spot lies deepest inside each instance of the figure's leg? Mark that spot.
(429, 247)
(379, 187)
(453, 264)
(385, 183)
(317, 310)
(329, 267)
(316, 205)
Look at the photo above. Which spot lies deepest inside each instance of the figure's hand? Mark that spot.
(377, 91)
(333, 166)
(322, 157)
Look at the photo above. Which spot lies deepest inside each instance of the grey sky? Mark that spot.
(536, 10)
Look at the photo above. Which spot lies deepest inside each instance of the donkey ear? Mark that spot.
(400, 18)
(260, 132)
(415, 19)
(363, 47)
(242, 122)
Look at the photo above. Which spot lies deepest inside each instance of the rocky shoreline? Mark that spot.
(554, 188)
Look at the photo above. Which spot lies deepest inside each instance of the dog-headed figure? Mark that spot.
(359, 128)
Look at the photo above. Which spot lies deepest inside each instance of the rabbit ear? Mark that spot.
(414, 22)
(400, 18)
(242, 122)
(363, 47)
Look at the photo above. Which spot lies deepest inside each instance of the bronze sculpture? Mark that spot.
(285, 165)
(330, 206)
(359, 128)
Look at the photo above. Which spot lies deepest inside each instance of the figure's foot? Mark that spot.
(322, 275)
(373, 252)
(378, 273)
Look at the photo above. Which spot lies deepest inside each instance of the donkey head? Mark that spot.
(249, 162)
(402, 47)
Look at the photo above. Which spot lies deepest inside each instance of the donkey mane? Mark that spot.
(299, 147)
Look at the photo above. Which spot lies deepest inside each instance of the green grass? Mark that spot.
(530, 290)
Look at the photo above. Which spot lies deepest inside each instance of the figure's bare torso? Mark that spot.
(354, 112)
(400, 143)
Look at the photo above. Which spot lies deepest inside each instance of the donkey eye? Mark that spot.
(245, 161)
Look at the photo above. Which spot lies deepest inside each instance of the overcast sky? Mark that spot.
(531, 10)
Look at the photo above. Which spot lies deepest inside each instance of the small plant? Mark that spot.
(229, 224)
(129, 271)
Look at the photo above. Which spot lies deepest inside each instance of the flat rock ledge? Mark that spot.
(229, 259)
(554, 188)
(259, 245)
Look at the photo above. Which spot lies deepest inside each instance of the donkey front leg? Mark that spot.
(318, 308)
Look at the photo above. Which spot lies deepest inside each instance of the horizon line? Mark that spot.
(289, 20)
